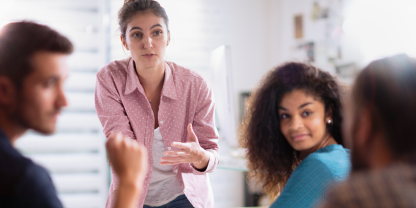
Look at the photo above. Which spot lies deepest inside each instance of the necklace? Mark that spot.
(150, 100)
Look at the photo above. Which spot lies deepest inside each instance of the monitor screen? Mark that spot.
(222, 85)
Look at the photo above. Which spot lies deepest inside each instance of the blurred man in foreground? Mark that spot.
(32, 73)
(381, 124)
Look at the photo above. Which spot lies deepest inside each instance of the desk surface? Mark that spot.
(231, 157)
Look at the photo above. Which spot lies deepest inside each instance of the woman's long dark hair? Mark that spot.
(271, 159)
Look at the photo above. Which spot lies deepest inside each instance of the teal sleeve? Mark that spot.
(307, 184)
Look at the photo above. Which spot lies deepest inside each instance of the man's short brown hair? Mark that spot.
(387, 89)
(19, 41)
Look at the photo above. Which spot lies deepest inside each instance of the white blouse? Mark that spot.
(163, 187)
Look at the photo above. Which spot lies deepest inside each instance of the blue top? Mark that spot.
(22, 182)
(315, 174)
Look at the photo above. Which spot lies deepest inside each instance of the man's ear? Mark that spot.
(363, 130)
(168, 39)
(124, 42)
(8, 91)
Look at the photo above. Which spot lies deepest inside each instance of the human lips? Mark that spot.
(56, 114)
(299, 137)
(149, 55)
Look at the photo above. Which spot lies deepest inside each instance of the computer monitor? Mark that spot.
(222, 85)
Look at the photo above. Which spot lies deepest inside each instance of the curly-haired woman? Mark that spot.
(292, 132)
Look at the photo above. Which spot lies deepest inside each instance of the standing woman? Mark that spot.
(167, 108)
(292, 132)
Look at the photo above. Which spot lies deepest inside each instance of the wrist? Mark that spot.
(202, 162)
(127, 194)
(203, 155)
(131, 182)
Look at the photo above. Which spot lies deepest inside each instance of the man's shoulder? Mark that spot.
(22, 182)
(13, 166)
(14, 169)
(398, 174)
(381, 188)
(27, 184)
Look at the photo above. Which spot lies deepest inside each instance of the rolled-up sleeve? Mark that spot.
(204, 127)
(109, 106)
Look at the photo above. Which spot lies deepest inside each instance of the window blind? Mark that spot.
(75, 154)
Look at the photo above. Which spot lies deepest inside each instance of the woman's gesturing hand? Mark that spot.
(190, 152)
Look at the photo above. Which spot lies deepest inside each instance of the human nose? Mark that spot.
(147, 42)
(296, 123)
(61, 98)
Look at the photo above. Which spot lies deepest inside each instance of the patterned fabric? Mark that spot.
(393, 186)
(122, 106)
(315, 174)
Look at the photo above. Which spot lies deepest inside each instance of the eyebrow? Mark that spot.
(301, 106)
(55, 78)
(139, 28)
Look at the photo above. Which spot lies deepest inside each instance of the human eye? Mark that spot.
(137, 35)
(284, 116)
(49, 83)
(306, 113)
(157, 32)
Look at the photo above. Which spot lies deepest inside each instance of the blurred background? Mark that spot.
(340, 36)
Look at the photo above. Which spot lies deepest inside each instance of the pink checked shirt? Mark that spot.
(122, 106)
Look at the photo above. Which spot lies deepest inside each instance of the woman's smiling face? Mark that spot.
(302, 120)
(146, 38)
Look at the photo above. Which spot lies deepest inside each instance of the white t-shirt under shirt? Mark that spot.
(163, 187)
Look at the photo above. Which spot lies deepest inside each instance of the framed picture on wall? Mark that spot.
(298, 24)
(244, 96)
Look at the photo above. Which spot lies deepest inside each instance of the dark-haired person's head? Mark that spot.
(381, 114)
(32, 71)
(295, 111)
(144, 27)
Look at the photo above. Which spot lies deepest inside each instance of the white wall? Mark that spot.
(286, 44)
(282, 45)
(249, 43)
(274, 48)
(247, 25)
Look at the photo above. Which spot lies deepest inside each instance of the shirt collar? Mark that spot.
(2, 134)
(169, 87)
(133, 82)
(4, 140)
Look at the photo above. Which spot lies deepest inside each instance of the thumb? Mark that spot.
(110, 140)
(191, 133)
